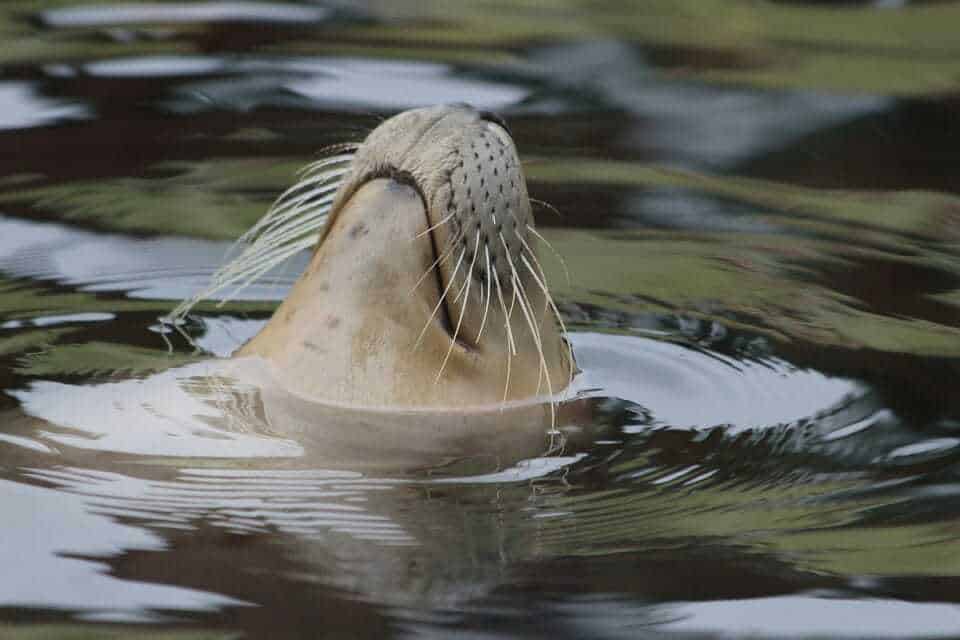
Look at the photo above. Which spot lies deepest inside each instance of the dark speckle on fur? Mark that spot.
(359, 229)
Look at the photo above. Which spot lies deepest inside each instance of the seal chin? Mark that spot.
(424, 289)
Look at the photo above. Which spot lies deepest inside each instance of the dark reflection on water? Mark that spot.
(757, 209)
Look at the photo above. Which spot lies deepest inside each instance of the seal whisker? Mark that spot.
(274, 241)
(520, 296)
(486, 305)
(463, 307)
(546, 205)
(250, 265)
(318, 170)
(563, 263)
(250, 274)
(544, 370)
(328, 180)
(309, 221)
(513, 347)
(288, 205)
(267, 256)
(556, 313)
(349, 147)
(267, 246)
(300, 193)
(525, 307)
(290, 225)
(439, 224)
(539, 266)
(453, 278)
(224, 279)
(433, 266)
(331, 167)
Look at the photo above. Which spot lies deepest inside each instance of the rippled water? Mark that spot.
(759, 212)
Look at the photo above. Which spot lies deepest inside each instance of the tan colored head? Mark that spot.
(424, 289)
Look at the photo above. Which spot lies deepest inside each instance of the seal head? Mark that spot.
(424, 289)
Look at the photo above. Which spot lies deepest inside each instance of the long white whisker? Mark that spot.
(556, 313)
(283, 210)
(453, 278)
(439, 224)
(295, 195)
(486, 304)
(536, 261)
(523, 301)
(251, 275)
(291, 225)
(433, 266)
(323, 170)
(269, 258)
(547, 205)
(268, 245)
(350, 147)
(307, 222)
(513, 347)
(528, 313)
(463, 307)
(289, 208)
(556, 253)
(518, 295)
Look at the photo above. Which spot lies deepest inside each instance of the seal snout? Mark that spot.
(464, 165)
(487, 203)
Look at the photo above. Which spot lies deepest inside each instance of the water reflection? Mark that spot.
(118, 14)
(21, 107)
(34, 538)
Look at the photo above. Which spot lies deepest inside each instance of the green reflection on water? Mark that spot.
(92, 359)
(789, 519)
(103, 632)
(210, 199)
(907, 51)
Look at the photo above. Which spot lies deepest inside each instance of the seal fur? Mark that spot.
(424, 288)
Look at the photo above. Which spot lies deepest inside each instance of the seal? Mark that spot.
(424, 288)
(421, 332)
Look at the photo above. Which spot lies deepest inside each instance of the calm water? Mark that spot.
(759, 208)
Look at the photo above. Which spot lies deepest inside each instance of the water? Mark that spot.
(759, 212)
